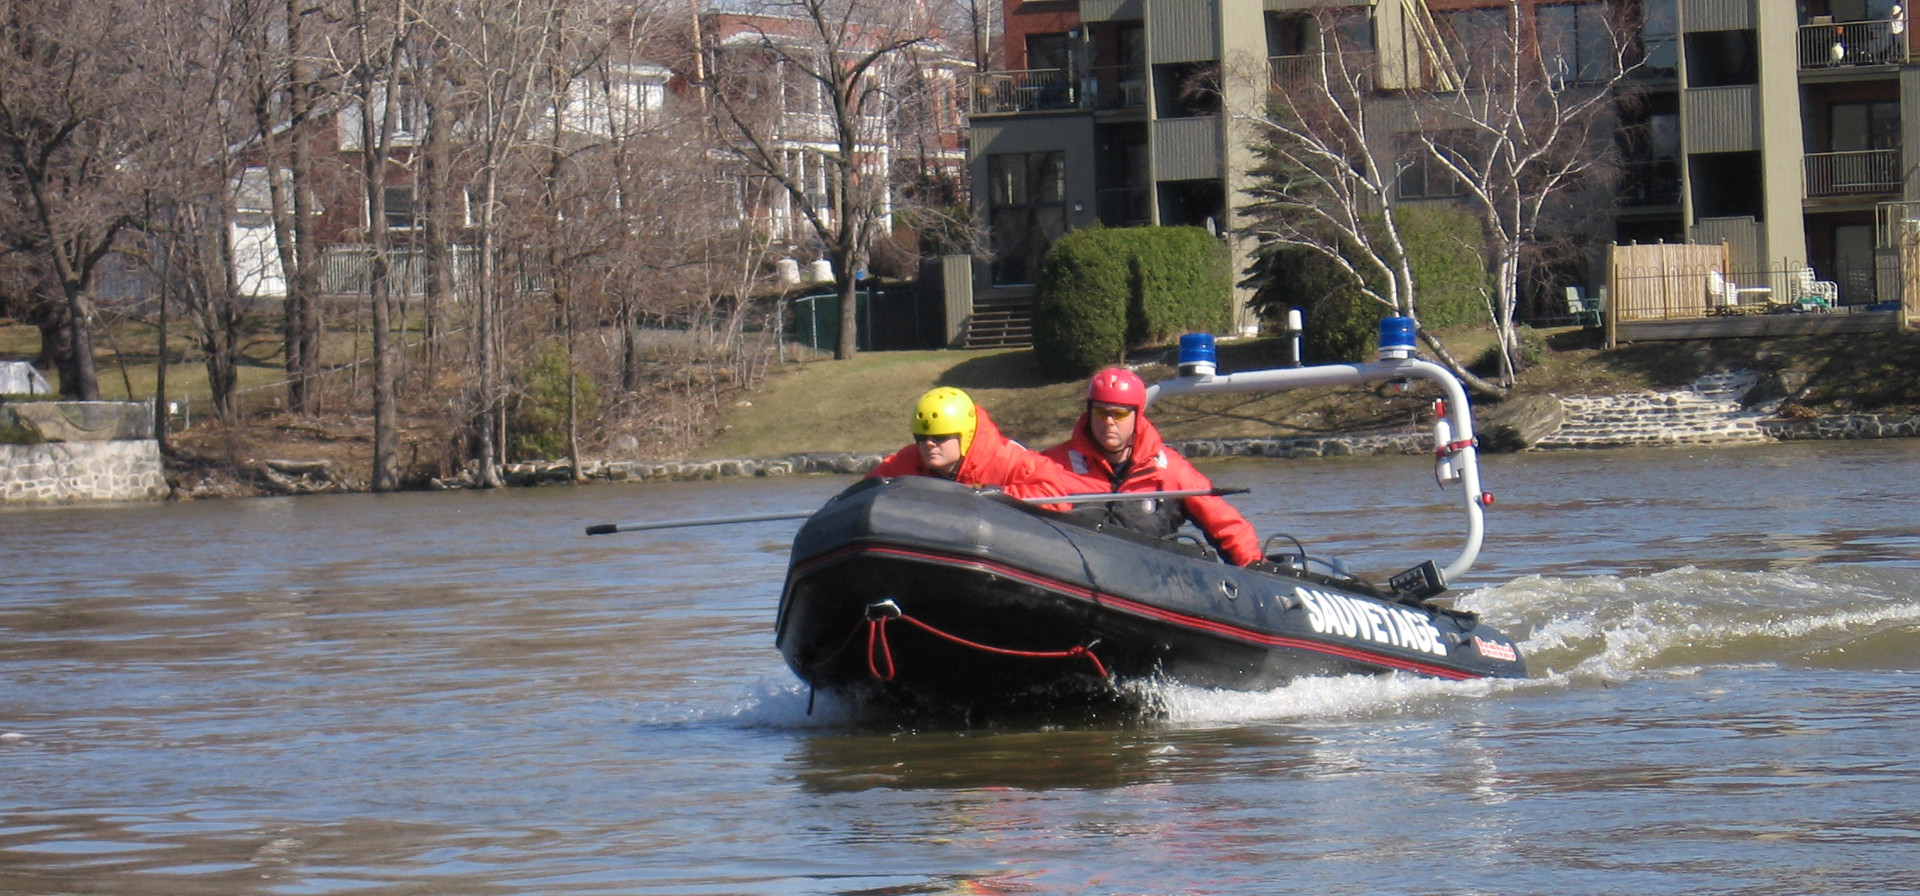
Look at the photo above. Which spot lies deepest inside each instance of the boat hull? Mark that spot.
(921, 589)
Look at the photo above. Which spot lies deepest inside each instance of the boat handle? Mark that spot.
(1231, 590)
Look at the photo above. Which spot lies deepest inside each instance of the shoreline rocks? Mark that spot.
(1853, 426)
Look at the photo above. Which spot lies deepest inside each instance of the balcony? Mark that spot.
(1028, 90)
(1296, 74)
(1832, 45)
(1860, 173)
(1650, 182)
(1115, 87)
(1106, 88)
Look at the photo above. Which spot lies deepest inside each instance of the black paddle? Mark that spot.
(610, 528)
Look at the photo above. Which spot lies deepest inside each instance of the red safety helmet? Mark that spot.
(1118, 385)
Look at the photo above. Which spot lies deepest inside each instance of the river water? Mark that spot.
(462, 693)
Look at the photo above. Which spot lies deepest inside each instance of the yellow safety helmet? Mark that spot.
(943, 412)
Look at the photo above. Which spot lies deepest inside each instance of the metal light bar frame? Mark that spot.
(1459, 449)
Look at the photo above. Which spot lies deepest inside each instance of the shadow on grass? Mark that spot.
(1004, 370)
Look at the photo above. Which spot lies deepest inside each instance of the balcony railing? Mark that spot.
(1106, 87)
(823, 127)
(1291, 74)
(1853, 173)
(1842, 44)
(1029, 90)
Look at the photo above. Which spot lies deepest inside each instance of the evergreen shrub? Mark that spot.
(1185, 279)
(1080, 302)
(537, 420)
(1101, 291)
(1447, 252)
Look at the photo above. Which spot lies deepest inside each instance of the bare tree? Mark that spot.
(810, 118)
(1506, 120)
(194, 62)
(497, 54)
(1328, 183)
(1532, 124)
(372, 63)
(69, 131)
(282, 88)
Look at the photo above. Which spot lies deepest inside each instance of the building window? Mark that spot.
(1659, 38)
(1471, 35)
(1855, 127)
(1576, 42)
(1048, 52)
(1424, 177)
(1649, 141)
(1027, 209)
(401, 213)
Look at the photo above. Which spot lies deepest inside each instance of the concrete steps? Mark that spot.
(1000, 325)
(1706, 413)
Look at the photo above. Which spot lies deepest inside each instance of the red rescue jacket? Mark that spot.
(992, 460)
(1156, 467)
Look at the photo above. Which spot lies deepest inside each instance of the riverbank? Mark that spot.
(840, 416)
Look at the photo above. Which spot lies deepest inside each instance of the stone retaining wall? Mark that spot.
(72, 472)
(1851, 426)
(1628, 421)
(857, 463)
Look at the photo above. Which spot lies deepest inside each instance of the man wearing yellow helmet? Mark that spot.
(953, 438)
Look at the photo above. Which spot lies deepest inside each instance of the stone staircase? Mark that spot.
(1004, 323)
(1706, 413)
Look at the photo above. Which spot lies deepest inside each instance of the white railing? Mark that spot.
(1840, 44)
(1029, 90)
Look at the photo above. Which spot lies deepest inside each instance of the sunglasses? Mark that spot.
(935, 440)
(1112, 413)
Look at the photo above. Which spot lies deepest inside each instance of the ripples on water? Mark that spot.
(461, 693)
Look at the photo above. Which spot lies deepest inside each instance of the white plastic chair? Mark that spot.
(1721, 293)
(1811, 294)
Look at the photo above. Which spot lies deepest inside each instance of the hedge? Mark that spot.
(1101, 291)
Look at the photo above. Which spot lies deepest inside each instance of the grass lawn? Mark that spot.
(865, 404)
(127, 351)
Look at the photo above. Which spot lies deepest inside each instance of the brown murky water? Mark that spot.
(461, 693)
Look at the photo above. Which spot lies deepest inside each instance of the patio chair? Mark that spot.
(1814, 295)
(1722, 296)
(1584, 311)
(1727, 297)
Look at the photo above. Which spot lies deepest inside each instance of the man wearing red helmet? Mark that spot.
(1115, 449)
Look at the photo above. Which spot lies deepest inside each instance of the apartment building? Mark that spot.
(1783, 127)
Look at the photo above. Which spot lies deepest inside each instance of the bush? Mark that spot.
(1185, 282)
(1080, 302)
(1101, 291)
(1449, 274)
(1449, 265)
(1532, 349)
(537, 421)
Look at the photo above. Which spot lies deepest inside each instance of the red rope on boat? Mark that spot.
(877, 636)
(877, 633)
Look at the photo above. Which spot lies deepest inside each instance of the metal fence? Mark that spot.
(1682, 282)
(1842, 44)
